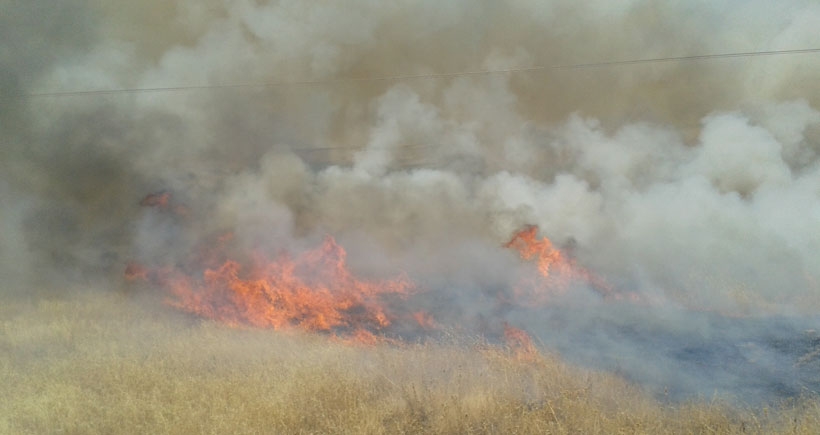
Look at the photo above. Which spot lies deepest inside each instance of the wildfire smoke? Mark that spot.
(676, 202)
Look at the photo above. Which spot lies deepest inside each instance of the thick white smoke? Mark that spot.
(696, 184)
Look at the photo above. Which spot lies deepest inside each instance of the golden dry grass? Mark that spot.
(91, 363)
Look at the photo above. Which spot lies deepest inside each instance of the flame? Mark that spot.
(363, 337)
(425, 320)
(550, 261)
(314, 292)
(557, 273)
(520, 343)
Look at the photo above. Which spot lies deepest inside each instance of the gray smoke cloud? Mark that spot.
(693, 184)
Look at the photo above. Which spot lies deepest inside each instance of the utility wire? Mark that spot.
(701, 57)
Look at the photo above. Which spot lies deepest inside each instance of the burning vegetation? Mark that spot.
(314, 291)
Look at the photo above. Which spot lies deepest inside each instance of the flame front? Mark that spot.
(314, 291)
(551, 262)
(557, 273)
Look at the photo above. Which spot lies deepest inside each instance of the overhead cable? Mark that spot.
(405, 77)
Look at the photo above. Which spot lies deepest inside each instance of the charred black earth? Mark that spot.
(681, 354)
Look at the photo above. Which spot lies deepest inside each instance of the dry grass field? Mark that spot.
(103, 363)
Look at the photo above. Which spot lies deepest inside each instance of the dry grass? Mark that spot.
(104, 363)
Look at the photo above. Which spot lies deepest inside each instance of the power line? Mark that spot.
(701, 57)
(689, 58)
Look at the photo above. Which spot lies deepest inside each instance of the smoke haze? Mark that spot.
(695, 185)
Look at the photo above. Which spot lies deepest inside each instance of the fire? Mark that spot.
(313, 291)
(556, 271)
(551, 262)
(425, 320)
(520, 343)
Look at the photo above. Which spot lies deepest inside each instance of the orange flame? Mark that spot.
(550, 261)
(520, 343)
(425, 320)
(313, 292)
(557, 272)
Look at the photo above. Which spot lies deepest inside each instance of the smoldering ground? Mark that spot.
(693, 184)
